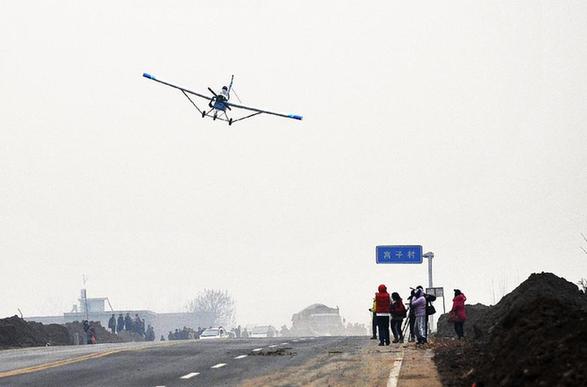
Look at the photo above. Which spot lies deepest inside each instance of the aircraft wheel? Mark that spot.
(214, 118)
(203, 114)
(230, 122)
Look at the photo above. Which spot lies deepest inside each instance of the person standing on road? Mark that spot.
(458, 313)
(120, 323)
(411, 317)
(382, 306)
(112, 324)
(373, 321)
(398, 313)
(418, 303)
(128, 323)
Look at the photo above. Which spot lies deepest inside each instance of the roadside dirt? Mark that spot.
(17, 333)
(535, 336)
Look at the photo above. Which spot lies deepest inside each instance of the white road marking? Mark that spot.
(284, 343)
(273, 346)
(257, 349)
(241, 356)
(219, 365)
(190, 375)
(394, 374)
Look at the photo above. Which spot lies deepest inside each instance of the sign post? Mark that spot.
(398, 254)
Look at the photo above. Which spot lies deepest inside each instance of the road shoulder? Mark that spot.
(356, 362)
(418, 368)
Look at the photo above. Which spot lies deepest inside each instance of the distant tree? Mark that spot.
(217, 305)
(284, 331)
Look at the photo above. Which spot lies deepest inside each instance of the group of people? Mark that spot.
(128, 324)
(184, 334)
(390, 311)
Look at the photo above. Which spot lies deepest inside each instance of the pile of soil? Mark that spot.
(535, 336)
(17, 333)
(475, 315)
(128, 336)
(102, 335)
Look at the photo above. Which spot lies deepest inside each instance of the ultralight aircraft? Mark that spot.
(218, 103)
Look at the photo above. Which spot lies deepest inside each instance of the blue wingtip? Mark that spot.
(296, 117)
(149, 76)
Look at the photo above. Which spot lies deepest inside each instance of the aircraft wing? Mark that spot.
(259, 111)
(149, 76)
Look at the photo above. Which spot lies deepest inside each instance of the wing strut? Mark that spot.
(245, 117)
(188, 97)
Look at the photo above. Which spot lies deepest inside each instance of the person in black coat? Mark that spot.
(120, 324)
(128, 323)
(112, 324)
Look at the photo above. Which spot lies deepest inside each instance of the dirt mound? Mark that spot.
(17, 333)
(475, 313)
(535, 336)
(76, 329)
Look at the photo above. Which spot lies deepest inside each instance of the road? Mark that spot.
(177, 363)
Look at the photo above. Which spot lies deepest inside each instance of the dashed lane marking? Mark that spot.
(273, 346)
(284, 343)
(394, 374)
(190, 375)
(219, 365)
(257, 349)
(241, 357)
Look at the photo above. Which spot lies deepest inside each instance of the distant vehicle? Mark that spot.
(263, 331)
(214, 333)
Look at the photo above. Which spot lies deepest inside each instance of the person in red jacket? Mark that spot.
(398, 313)
(458, 314)
(382, 309)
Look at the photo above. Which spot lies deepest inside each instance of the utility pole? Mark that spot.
(84, 296)
(430, 255)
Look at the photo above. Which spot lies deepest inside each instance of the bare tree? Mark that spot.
(217, 305)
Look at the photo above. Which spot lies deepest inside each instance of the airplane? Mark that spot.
(218, 104)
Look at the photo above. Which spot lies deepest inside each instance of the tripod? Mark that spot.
(406, 326)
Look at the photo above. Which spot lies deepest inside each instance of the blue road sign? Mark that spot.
(399, 254)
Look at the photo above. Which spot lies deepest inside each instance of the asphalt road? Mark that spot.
(178, 363)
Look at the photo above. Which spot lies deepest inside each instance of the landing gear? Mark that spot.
(204, 114)
(214, 117)
(230, 122)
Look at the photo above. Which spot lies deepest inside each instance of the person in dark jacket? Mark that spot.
(120, 323)
(112, 324)
(458, 313)
(128, 323)
(90, 332)
(398, 313)
(382, 306)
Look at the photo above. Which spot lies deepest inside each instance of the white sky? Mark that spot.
(460, 127)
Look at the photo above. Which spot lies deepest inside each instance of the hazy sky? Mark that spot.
(459, 127)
